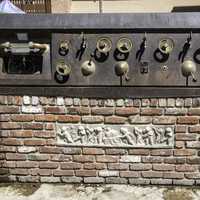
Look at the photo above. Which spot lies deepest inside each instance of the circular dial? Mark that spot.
(166, 45)
(124, 45)
(63, 69)
(64, 48)
(104, 45)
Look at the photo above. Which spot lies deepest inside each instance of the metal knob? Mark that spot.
(64, 48)
(189, 69)
(122, 68)
(63, 69)
(104, 45)
(166, 45)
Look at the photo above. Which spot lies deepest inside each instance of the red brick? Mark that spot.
(83, 158)
(102, 111)
(193, 160)
(194, 129)
(93, 151)
(69, 118)
(92, 119)
(50, 150)
(97, 166)
(34, 142)
(107, 159)
(11, 142)
(21, 134)
(143, 152)
(140, 167)
(186, 168)
(185, 137)
(60, 157)
(9, 109)
(85, 173)
(163, 167)
(40, 172)
(118, 166)
(26, 164)
(78, 110)
(129, 174)
(115, 120)
(164, 120)
(44, 134)
(173, 175)
(192, 175)
(14, 156)
(180, 144)
(33, 126)
(184, 152)
(70, 165)
(150, 159)
(49, 126)
(151, 174)
(38, 157)
(187, 120)
(22, 118)
(54, 110)
(174, 160)
(161, 152)
(48, 165)
(4, 118)
(4, 171)
(19, 171)
(9, 125)
(127, 111)
(180, 128)
(7, 149)
(114, 151)
(151, 111)
(45, 118)
(194, 111)
(63, 173)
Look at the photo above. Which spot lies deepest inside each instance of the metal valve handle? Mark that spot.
(34, 45)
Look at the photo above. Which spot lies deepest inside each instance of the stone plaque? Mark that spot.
(139, 136)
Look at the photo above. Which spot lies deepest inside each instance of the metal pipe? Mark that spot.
(100, 6)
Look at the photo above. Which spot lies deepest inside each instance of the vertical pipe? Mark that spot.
(100, 6)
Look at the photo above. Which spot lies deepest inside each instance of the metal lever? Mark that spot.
(6, 45)
(44, 47)
(194, 79)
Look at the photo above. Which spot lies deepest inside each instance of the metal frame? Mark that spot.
(68, 23)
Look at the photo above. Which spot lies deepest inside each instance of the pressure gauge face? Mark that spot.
(166, 45)
(62, 68)
(124, 45)
(104, 45)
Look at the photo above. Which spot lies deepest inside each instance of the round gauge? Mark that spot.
(166, 45)
(104, 45)
(124, 45)
(63, 69)
(64, 48)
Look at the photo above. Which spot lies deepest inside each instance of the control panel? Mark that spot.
(126, 59)
(85, 55)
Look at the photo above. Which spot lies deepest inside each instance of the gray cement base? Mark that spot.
(95, 192)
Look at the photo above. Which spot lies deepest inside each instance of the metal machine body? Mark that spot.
(100, 55)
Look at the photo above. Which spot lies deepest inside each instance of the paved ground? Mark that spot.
(104, 192)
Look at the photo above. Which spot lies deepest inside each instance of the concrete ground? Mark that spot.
(100, 192)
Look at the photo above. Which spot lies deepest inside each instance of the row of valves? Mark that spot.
(63, 70)
(124, 46)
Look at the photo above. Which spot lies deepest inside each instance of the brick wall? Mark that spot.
(29, 151)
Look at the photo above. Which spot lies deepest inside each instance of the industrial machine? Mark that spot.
(100, 55)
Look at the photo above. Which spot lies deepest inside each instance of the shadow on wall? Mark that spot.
(186, 9)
